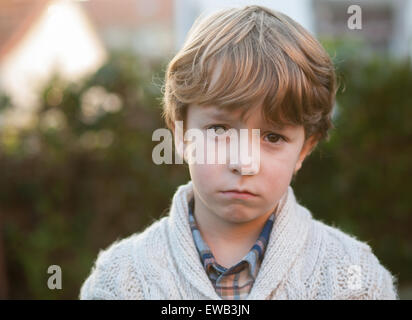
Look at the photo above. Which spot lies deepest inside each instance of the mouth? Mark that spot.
(238, 193)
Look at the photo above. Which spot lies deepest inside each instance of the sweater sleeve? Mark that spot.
(385, 288)
(113, 276)
(377, 282)
(100, 284)
(94, 288)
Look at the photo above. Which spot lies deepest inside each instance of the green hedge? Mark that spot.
(359, 179)
(83, 175)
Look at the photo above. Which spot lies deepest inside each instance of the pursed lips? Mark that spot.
(239, 193)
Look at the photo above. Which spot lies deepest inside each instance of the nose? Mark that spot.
(244, 170)
(248, 160)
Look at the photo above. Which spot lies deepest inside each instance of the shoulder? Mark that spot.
(351, 268)
(139, 244)
(117, 269)
(341, 241)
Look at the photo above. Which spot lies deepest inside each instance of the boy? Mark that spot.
(236, 230)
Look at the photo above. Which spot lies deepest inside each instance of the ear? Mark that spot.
(307, 148)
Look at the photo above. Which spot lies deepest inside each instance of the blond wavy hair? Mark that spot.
(266, 58)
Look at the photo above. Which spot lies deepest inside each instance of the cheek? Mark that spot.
(205, 173)
(278, 168)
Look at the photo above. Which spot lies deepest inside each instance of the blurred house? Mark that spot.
(37, 38)
(144, 26)
(386, 24)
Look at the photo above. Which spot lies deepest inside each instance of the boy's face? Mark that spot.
(281, 154)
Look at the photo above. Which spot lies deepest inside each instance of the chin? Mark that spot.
(236, 216)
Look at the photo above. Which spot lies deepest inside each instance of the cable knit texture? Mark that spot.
(305, 259)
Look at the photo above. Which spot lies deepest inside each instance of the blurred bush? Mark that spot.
(82, 176)
(358, 180)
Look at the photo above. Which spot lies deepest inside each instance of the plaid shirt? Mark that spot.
(235, 282)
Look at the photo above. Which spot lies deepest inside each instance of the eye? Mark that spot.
(274, 137)
(218, 129)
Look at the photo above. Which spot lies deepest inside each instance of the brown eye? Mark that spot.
(274, 138)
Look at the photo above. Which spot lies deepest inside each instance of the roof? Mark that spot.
(16, 18)
(130, 14)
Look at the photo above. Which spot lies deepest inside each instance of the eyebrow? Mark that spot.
(221, 116)
(275, 126)
(218, 114)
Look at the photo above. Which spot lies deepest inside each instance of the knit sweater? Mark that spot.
(304, 259)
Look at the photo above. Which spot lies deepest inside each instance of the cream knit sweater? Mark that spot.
(305, 259)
